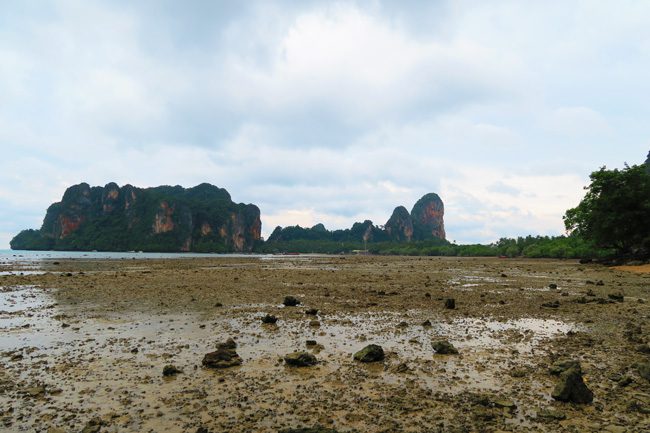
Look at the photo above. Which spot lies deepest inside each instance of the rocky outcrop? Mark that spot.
(399, 226)
(165, 218)
(428, 218)
(647, 164)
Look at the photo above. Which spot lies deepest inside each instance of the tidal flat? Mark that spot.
(84, 343)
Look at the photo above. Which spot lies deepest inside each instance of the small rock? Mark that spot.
(202, 430)
(426, 323)
(505, 404)
(269, 319)
(571, 388)
(618, 297)
(224, 357)
(314, 323)
(170, 370)
(312, 312)
(551, 414)
(311, 343)
(444, 347)
(552, 286)
(564, 364)
(370, 353)
(300, 359)
(643, 348)
(93, 426)
(290, 301)
(644, 369)
(450, 303)
(552, 304)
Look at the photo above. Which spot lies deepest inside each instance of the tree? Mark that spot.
(615, 212)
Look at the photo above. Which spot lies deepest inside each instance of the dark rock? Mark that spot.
(269, 319)
(552, 304)
(444, 347)
(311, 343)
(300, 359)
(571, 388)
(600, 283)
(563, 365)
(314, 323)
(643, 348)
(290, 301)
(552, 286)
(551, 414)
(202, 430)
(370, 353)
(225, 356)
(399, 226)
(644, 369)
(426, 323)
(92, 426)
(312, 311)
(450, 303)
(428, 218)
(170, 370)
(618, 297)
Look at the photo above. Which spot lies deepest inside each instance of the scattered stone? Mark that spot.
(600, 283)
(300, 359)
(290, 301)
(225, 356)
(370, 353)
(552, 286)
(35, 391)
(311, 343)
(551, 414)
(505, 404)
(218, 304)
(426, 323)
(644, 369)
(571, 388)
(444, 347)
(402, 324)
(202, 430)
(170, 370)
(93, 426)
(314, 323)
(312, 311)
(314, 429)
(450, 303)
(552, 304)
(269, 319)
(135, 350)
(618, 297)
(590, 292)
(518, 372)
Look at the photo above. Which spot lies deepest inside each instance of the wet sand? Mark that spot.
(83, 344)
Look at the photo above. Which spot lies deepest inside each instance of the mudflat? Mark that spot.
(120, 345)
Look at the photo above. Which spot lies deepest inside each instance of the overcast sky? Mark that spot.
(323, 111)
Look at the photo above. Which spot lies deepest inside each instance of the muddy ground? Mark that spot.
(83, 344)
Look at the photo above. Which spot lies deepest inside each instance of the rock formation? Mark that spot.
(164, 218)
(399, 226)
(428, 217)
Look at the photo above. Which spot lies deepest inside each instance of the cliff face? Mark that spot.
(110, 218)
(400, 225)
(425, 222)
(428, 218)
(647, 163)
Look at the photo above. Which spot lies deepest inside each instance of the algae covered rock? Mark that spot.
(444, 347)
(300, 359)
(571, 388)
(370, 353)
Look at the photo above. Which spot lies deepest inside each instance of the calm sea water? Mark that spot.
(18, 255)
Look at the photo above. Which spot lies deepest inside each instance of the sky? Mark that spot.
(330, 112)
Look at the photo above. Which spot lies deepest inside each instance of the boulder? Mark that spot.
(269, 319)
(170, 370)
(370, 353)
(290, 301)
(571, 388)
(300, 359)
(444, 347)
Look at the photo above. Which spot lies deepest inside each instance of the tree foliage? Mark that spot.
(615, 212)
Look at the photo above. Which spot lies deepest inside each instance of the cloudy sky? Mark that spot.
(324, 111)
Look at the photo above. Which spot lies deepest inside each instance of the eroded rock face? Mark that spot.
(110, 218)
(399, 227)
(428, 218)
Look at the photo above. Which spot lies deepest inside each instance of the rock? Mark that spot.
(314, 323)
(314, 429)
(426, 323)
(312, 312)
(202, 430)
(170, 370)
(551, 414)
(618, 297)
(564, 364)
(450, 303)
(399, 226)
(269, 319)
(428, 218)
(55, 430)
(571, 388)
(93, 426)
(290, 301)
(444, 347)
(505, 404)
(311, 343)
(35, 391)
(600, 283)
(552, 304)
(644, 369)
(300, 359)
(225, 356)
(552, 286)
(643, 348)
(370, 353)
